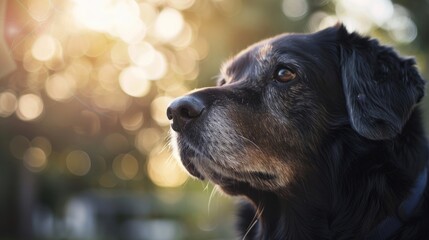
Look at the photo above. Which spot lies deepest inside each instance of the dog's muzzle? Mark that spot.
(184, 110)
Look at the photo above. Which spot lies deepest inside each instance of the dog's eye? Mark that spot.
(284, 75)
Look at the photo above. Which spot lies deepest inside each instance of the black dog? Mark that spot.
(320, 132)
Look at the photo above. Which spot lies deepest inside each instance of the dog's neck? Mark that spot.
(277, 218)
(345, 204)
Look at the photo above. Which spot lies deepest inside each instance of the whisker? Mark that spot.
(250, 141)
(210, 199)
(167, 143)
(255, 219)
(206, 187)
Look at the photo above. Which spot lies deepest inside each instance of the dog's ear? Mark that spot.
(381, 88)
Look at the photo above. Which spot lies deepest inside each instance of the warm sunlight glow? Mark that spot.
(30, 64)
(44, 48)
(119, 55)
(94, 14)
(60, 87)
(157, 68)
(134, 82)
(164, 171)
(147, 139)
(40, 10)
(119, 18)
(158, 107)
(142, 54)
(30, 107)
(182, 4)
(362, 15)
(132, 121)
(127, 23)
(168, 24)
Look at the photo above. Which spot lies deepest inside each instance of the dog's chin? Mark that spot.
(232, 180)
(227, 185)
(231, 183)
(189, 165)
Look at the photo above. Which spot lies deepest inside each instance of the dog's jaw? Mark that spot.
(203, 165)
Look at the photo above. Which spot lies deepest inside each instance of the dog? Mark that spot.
(320, 134)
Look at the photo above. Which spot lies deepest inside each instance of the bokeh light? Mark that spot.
(134, 81)
(295, 9)
(40, 10)
(119, 18)
(142, 54)
(157, 68)
(158, 107)
(78, 162)
(182, 4)
(403, 29)
(119, 55)
(35, 159)
(31, 64)
(168, 24)
(116, 143)
(363, 15)
(44, 48)
(60, 87)
(163, 171)
(132, 121)
(30, 107)
(125, 166)
(42, 143)
(8, 103)
(147, 139)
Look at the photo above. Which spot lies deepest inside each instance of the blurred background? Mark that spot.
(84, 86)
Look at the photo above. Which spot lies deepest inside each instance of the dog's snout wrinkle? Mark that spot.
(184, 110)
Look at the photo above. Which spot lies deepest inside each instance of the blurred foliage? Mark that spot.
(83, 90)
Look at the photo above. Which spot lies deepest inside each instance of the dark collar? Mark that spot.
(391, 225)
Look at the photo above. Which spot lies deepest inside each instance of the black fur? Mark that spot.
(328, 155)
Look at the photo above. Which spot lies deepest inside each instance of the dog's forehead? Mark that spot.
(253, 60)
(271, 47)
(264, 53)
(249, 59)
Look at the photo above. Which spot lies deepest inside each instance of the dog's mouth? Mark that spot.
(202, 165)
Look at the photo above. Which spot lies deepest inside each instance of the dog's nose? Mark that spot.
(184, 110)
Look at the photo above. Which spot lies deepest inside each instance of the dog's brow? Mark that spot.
(236, 65)
(264, 52)
(263, 57)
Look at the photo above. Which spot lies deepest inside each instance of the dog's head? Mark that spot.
(277, 101)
